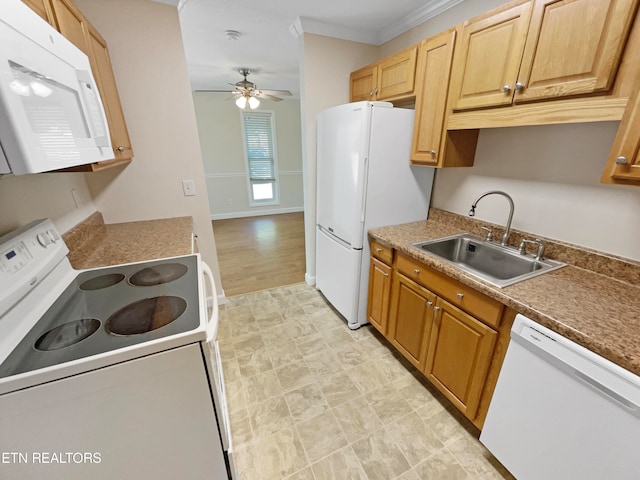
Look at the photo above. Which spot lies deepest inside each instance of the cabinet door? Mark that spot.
(623, 165)
(410, 319)
(459, 355)
(434, 71)
(487, 63)
(396, 74)
(364, 84)
(42, 8)
(379, 290)
(103, 71)
(70, 23)
(573, 47)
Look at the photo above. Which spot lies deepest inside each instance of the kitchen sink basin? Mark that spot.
(501, 266)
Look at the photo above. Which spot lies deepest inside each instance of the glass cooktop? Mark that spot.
(111, 308)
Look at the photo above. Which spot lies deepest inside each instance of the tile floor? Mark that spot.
(310, 399)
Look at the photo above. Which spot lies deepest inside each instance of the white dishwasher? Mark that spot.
(559, 411)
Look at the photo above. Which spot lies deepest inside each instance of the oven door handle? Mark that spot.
(213, 320)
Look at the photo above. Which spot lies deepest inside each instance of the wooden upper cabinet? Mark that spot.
(623, 164)
(42, 8)
(540, 50)
(78, 30)
(396, 74)
(103, 72)
(573, 47)
(432, 87)
(71, 23)
(391, 78)
(363, 84)
(487, 62)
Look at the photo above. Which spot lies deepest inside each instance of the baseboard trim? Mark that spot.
(256, 213)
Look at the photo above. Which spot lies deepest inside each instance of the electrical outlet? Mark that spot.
(189, 188)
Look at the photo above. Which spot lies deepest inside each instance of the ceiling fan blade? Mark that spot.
(217, 91)
(277, 92)
(261, 94)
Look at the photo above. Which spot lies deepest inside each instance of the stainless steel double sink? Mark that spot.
(496, 264)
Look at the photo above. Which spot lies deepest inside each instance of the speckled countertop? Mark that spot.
(92, 243)
(594, 300)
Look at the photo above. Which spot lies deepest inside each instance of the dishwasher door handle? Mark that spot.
(594, 384)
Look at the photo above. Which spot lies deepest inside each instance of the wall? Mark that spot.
(325, 66)
(553, 174)
(45, 195)
(147, 54)
(225, 166)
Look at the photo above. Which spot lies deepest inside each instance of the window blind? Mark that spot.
(259, 143)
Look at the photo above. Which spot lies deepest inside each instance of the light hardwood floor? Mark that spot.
(256, 253)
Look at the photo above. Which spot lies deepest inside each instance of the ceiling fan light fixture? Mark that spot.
(253, 103)
(241, 102)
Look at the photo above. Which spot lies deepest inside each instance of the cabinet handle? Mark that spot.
(519, 86)
(621, 160)
(460, 296)
(120, 148)
(436, 308)
(432, 153)
(385, 275)
(416, 271)
(506, 89)
(429, 303)
(378, 250)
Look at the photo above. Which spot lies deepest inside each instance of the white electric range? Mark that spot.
(107, 371)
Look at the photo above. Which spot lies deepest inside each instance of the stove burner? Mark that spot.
(145, 315)
(102, 281)
(162, 273)
(67, 334)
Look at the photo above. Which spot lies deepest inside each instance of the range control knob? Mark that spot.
(53, 235)
(43, 239)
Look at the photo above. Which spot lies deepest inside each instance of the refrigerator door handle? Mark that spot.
(328, 232)
(365, 166)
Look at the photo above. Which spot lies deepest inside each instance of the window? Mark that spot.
(261, 158)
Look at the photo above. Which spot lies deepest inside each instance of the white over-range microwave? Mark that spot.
(51, 114)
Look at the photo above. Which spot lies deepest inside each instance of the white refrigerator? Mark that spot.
(364, 181)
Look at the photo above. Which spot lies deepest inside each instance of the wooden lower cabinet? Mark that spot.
(379, 290)
(456, 337)
(410, 319)
(459, 356)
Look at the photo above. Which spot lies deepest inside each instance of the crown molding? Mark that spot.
(309, 25)
(428, 11)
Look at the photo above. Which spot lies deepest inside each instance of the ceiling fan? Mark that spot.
(246, 93)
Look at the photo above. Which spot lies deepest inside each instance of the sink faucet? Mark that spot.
(507, 228)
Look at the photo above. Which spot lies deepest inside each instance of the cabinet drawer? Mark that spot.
(382, 252)
(480, 306)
